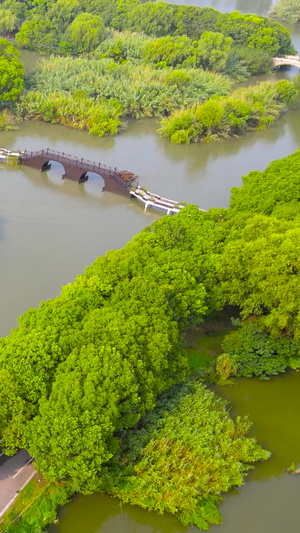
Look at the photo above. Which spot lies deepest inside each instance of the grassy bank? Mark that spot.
(35, 507)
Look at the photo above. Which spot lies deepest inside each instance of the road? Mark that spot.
(15, 472)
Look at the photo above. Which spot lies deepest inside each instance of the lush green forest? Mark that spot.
(287, 10)
(80, 374)
(74, 27)
(149, 59)
(11, 82)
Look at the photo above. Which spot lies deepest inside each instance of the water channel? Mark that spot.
(50, 230)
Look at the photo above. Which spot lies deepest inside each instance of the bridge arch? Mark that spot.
(93, 181)
(55, 170)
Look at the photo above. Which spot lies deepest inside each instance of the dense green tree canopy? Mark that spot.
(102, 352)
(62, 13)
(38, 33)
(275, 191)
(157, 19)
(7, 21)
(85, 32)
(287, 10)
(11, 72)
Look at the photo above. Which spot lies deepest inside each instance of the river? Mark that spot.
(50, 230)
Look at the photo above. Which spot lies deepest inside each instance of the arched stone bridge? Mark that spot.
(293, 61)
(75, 169)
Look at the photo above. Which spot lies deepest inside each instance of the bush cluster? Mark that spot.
(93, 93)
(198, 451)
(219, 118)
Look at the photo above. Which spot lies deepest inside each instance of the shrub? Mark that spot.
(250, 351)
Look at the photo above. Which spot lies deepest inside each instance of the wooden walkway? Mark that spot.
(150, 199)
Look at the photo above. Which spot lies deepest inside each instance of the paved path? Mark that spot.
(15, 472)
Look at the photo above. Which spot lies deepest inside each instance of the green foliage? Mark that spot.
(94, 360)
(99, 118)
(7, 21)
(19, 9)
(213, 50)
(210, 52)
(122, 46)
(256, 61)
(256, 32)
(259, 271)
(250, 108)
(69, 90)
(252, 352)
(156, 19)
(171, 50)
(160, 19)
(85, 32)
(40, 508)
(62, 13)
(38, 33)
(11, 72)
(287, 10)
(275, 191)
(7, 121)
(182, 456)
(80, 374)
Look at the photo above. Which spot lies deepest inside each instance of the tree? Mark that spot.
(155, 19)
(169, 50)
(213, 50)
(86, 32)
(275, 191)
(13, 414)
(62, 13)
(11, 72)
(259, 271)
(73, 434)
(19, 9)
(287, 10)
(265, 39)
(38, 33)
(7, 21)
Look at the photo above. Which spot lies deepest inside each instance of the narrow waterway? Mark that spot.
(50, 230)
